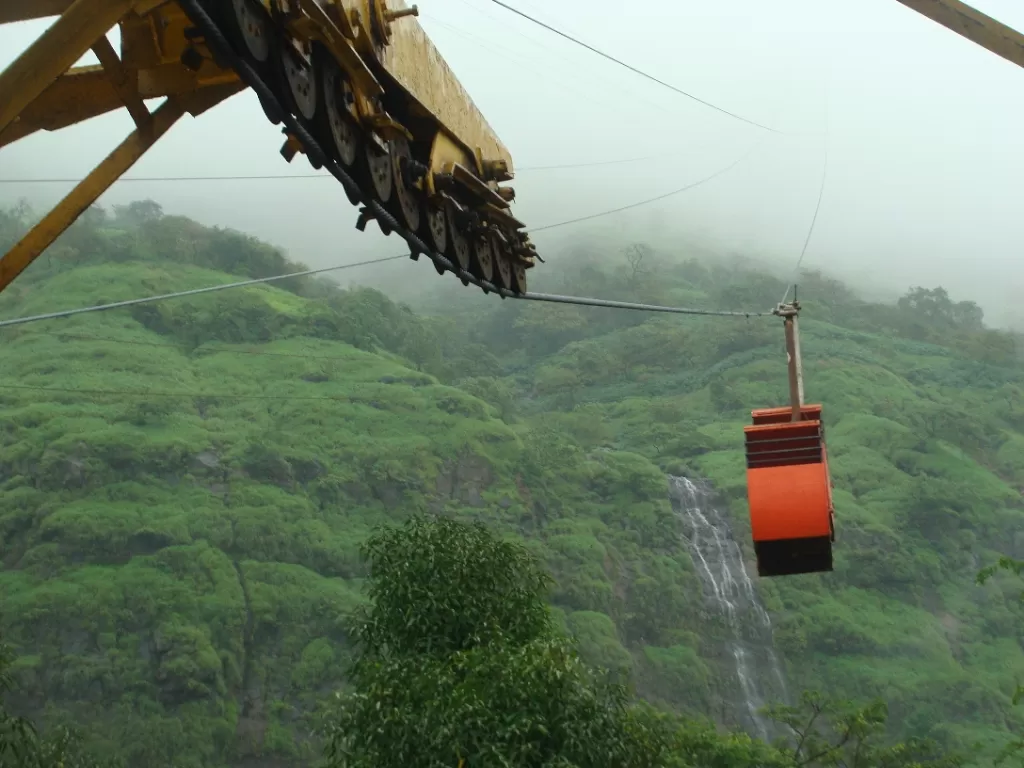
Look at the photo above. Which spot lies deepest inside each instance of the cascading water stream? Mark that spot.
(729, 590)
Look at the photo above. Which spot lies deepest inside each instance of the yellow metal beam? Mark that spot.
(24, 10)
(86, 92)
(42, 235)
(53, 53)
(27, 10)
(127, 87)
(78, 95)
(974, 25)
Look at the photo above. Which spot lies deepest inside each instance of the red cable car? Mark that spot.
(788, 483)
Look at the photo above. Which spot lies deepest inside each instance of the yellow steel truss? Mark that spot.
(41, 90)
(974, 25)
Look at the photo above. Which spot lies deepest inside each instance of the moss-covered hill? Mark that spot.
(186, 484)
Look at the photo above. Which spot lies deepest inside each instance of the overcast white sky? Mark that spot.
(923, 131)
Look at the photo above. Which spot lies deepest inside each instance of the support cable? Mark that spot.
(585, 301)
(648, 201)
(192, 292)
(630, 67)
(588, 217)
(821, 189)
(273, 177)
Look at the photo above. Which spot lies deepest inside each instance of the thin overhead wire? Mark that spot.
(125, 179)
(817, 208)
(596, 163)
(192, 292)
(546, 297)
(280, 397)
(650, 200)
(578, 300)
(152, 393)
(272, 177)
(631, 68)
(791, 286)
(599, 214)
(821, 194)
(220, 350)
(182, 347)
(588, 302)
(583, 88)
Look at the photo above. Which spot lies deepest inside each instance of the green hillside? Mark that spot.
(186, 484)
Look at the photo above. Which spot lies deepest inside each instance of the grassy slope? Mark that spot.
(177, 567)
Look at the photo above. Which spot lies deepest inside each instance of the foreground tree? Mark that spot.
(831, 734)
(458, 661)
(17, 737)
(1013, 751)
(22, 747)
(458, 664)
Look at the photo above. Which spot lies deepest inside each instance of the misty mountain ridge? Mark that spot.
(186, 483)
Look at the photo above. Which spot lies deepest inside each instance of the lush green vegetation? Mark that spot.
(458, 662)
(187, 485)
(21, 746)
(458, 659)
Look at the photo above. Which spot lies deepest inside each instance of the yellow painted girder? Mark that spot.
(86, 92)
(42, 235)
(26, 10)
(53, 53)
(40, 91)
(974, 25)
(149, 66)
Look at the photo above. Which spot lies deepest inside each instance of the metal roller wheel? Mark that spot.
(437, 230)
(407, 200)
(483, 258)
(502, 261)
(345, 136)
(335, 123)
(459, 250)
(378, 168)
(518, 277)
(252, 27)
(299, 77)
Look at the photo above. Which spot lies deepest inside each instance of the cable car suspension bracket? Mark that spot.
(790, 313)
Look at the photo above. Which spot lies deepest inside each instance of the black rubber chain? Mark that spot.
(222, 50)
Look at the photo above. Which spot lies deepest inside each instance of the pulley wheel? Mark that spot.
(518, 277)
(335, 125)
(253, 28)
(407, 196)
(502, 262)
(437, 230)
(300, 78)
(483, 258)
(341, 125)
(459, 250)
(378, 167)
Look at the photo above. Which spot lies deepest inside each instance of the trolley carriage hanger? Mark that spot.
(788, 484)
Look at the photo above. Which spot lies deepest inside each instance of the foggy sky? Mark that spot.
(922, 129)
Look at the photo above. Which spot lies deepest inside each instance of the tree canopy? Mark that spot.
(458, 660)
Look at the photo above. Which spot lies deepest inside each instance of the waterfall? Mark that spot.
(748, 643)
